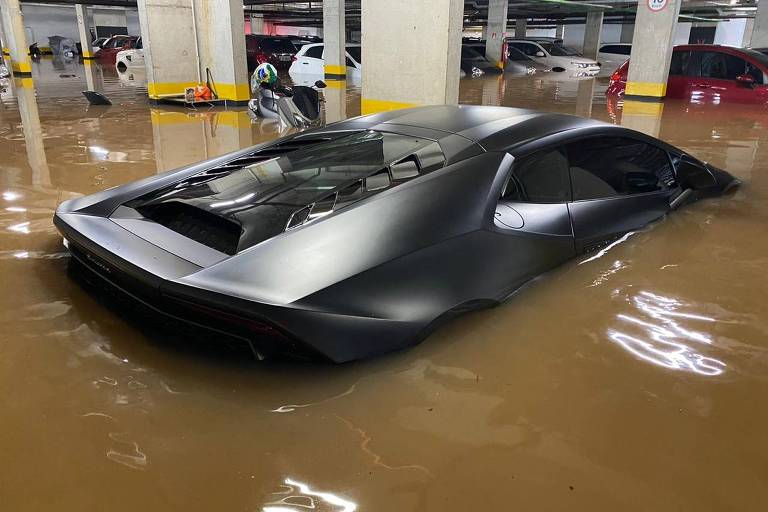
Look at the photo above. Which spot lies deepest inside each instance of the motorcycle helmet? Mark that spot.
(266, 74)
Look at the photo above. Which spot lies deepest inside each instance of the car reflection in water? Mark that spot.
(657, 335)
(298, 496)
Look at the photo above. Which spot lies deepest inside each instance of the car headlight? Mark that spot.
(530, 71)
(477, 71)
(580, 65)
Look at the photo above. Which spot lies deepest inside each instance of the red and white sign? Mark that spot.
(657, 5)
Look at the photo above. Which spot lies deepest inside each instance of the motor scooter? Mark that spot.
(297, 106)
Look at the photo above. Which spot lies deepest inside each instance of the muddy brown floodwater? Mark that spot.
(633, 380)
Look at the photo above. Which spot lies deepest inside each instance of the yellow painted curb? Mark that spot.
(334, 69)
(335, 84)
(646, 89)
(643, 108)
(371, 106)
(21, 67)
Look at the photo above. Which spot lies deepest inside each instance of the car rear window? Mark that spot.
(277, 45)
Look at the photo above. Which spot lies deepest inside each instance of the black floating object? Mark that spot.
(96, 98)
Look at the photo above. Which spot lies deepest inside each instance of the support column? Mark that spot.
(593, 31)
(627, 31)
(257, 23)
(183, 39)
(559, 31)
(13, 25)
(652, 50)
(334, 39)
(395, 75)
(520, 27)
(82, 28)
(760, 28)
(497, 32)
(746, 39)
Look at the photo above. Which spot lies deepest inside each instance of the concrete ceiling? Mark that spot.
(537, 12)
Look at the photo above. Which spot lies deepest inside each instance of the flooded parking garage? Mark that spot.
(631, 379)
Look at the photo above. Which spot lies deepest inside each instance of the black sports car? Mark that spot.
(360, 237)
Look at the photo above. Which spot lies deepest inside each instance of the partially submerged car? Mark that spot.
(557, 57)
(132, 58)
(113, 45)
(709, 73)
(474, 63)
(362, 236)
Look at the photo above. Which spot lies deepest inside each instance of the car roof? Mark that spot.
(493, 128)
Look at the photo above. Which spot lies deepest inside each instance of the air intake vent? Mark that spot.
(279, 149)
(203, 227)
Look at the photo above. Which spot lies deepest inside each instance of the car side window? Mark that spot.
(539, 178)
(612, 167)
(316, 52)
(516, 55)
(725, 66)
(527, 48)
(679, 65)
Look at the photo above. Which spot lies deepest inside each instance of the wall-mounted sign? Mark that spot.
(657, 5)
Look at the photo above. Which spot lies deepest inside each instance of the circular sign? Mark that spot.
(657, 5)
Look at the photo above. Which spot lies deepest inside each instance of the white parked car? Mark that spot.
(310, 61)
(130, 58)
(555, 56)
(611, 56)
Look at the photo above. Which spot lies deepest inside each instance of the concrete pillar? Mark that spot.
(652, 50)
(82, 28)
(335, 100)
(257, 23)
(559, 31)
(110, 18)
(334, 39)
(94, 76)
(593, 31)
(396, 76)
(520, 27)
(13, 28)
(760, 27)
(497, 31)
(627, 31)
(184, 38)
(746, 40)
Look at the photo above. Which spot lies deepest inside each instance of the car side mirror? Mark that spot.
(540, 54)
(746, 80)
(320, 84)
(694, 176)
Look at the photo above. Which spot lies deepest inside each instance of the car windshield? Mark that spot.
(760, 55)
(557, 50)
(277, 45)
(355, 52)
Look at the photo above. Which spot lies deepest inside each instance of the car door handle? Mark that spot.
(305, 63)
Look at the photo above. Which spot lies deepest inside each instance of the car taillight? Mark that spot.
(262, 57)
(616, 76)
(294, 58)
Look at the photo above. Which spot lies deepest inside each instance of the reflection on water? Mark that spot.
(657, 333)
(527, 406)
(298, 496)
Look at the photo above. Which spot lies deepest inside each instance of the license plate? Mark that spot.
(285, 57)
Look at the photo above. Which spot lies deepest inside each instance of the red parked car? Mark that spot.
(707, 73)
(277, 50)
(115, 44)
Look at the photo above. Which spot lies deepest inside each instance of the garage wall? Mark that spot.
(42, 21)
(730, 32)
